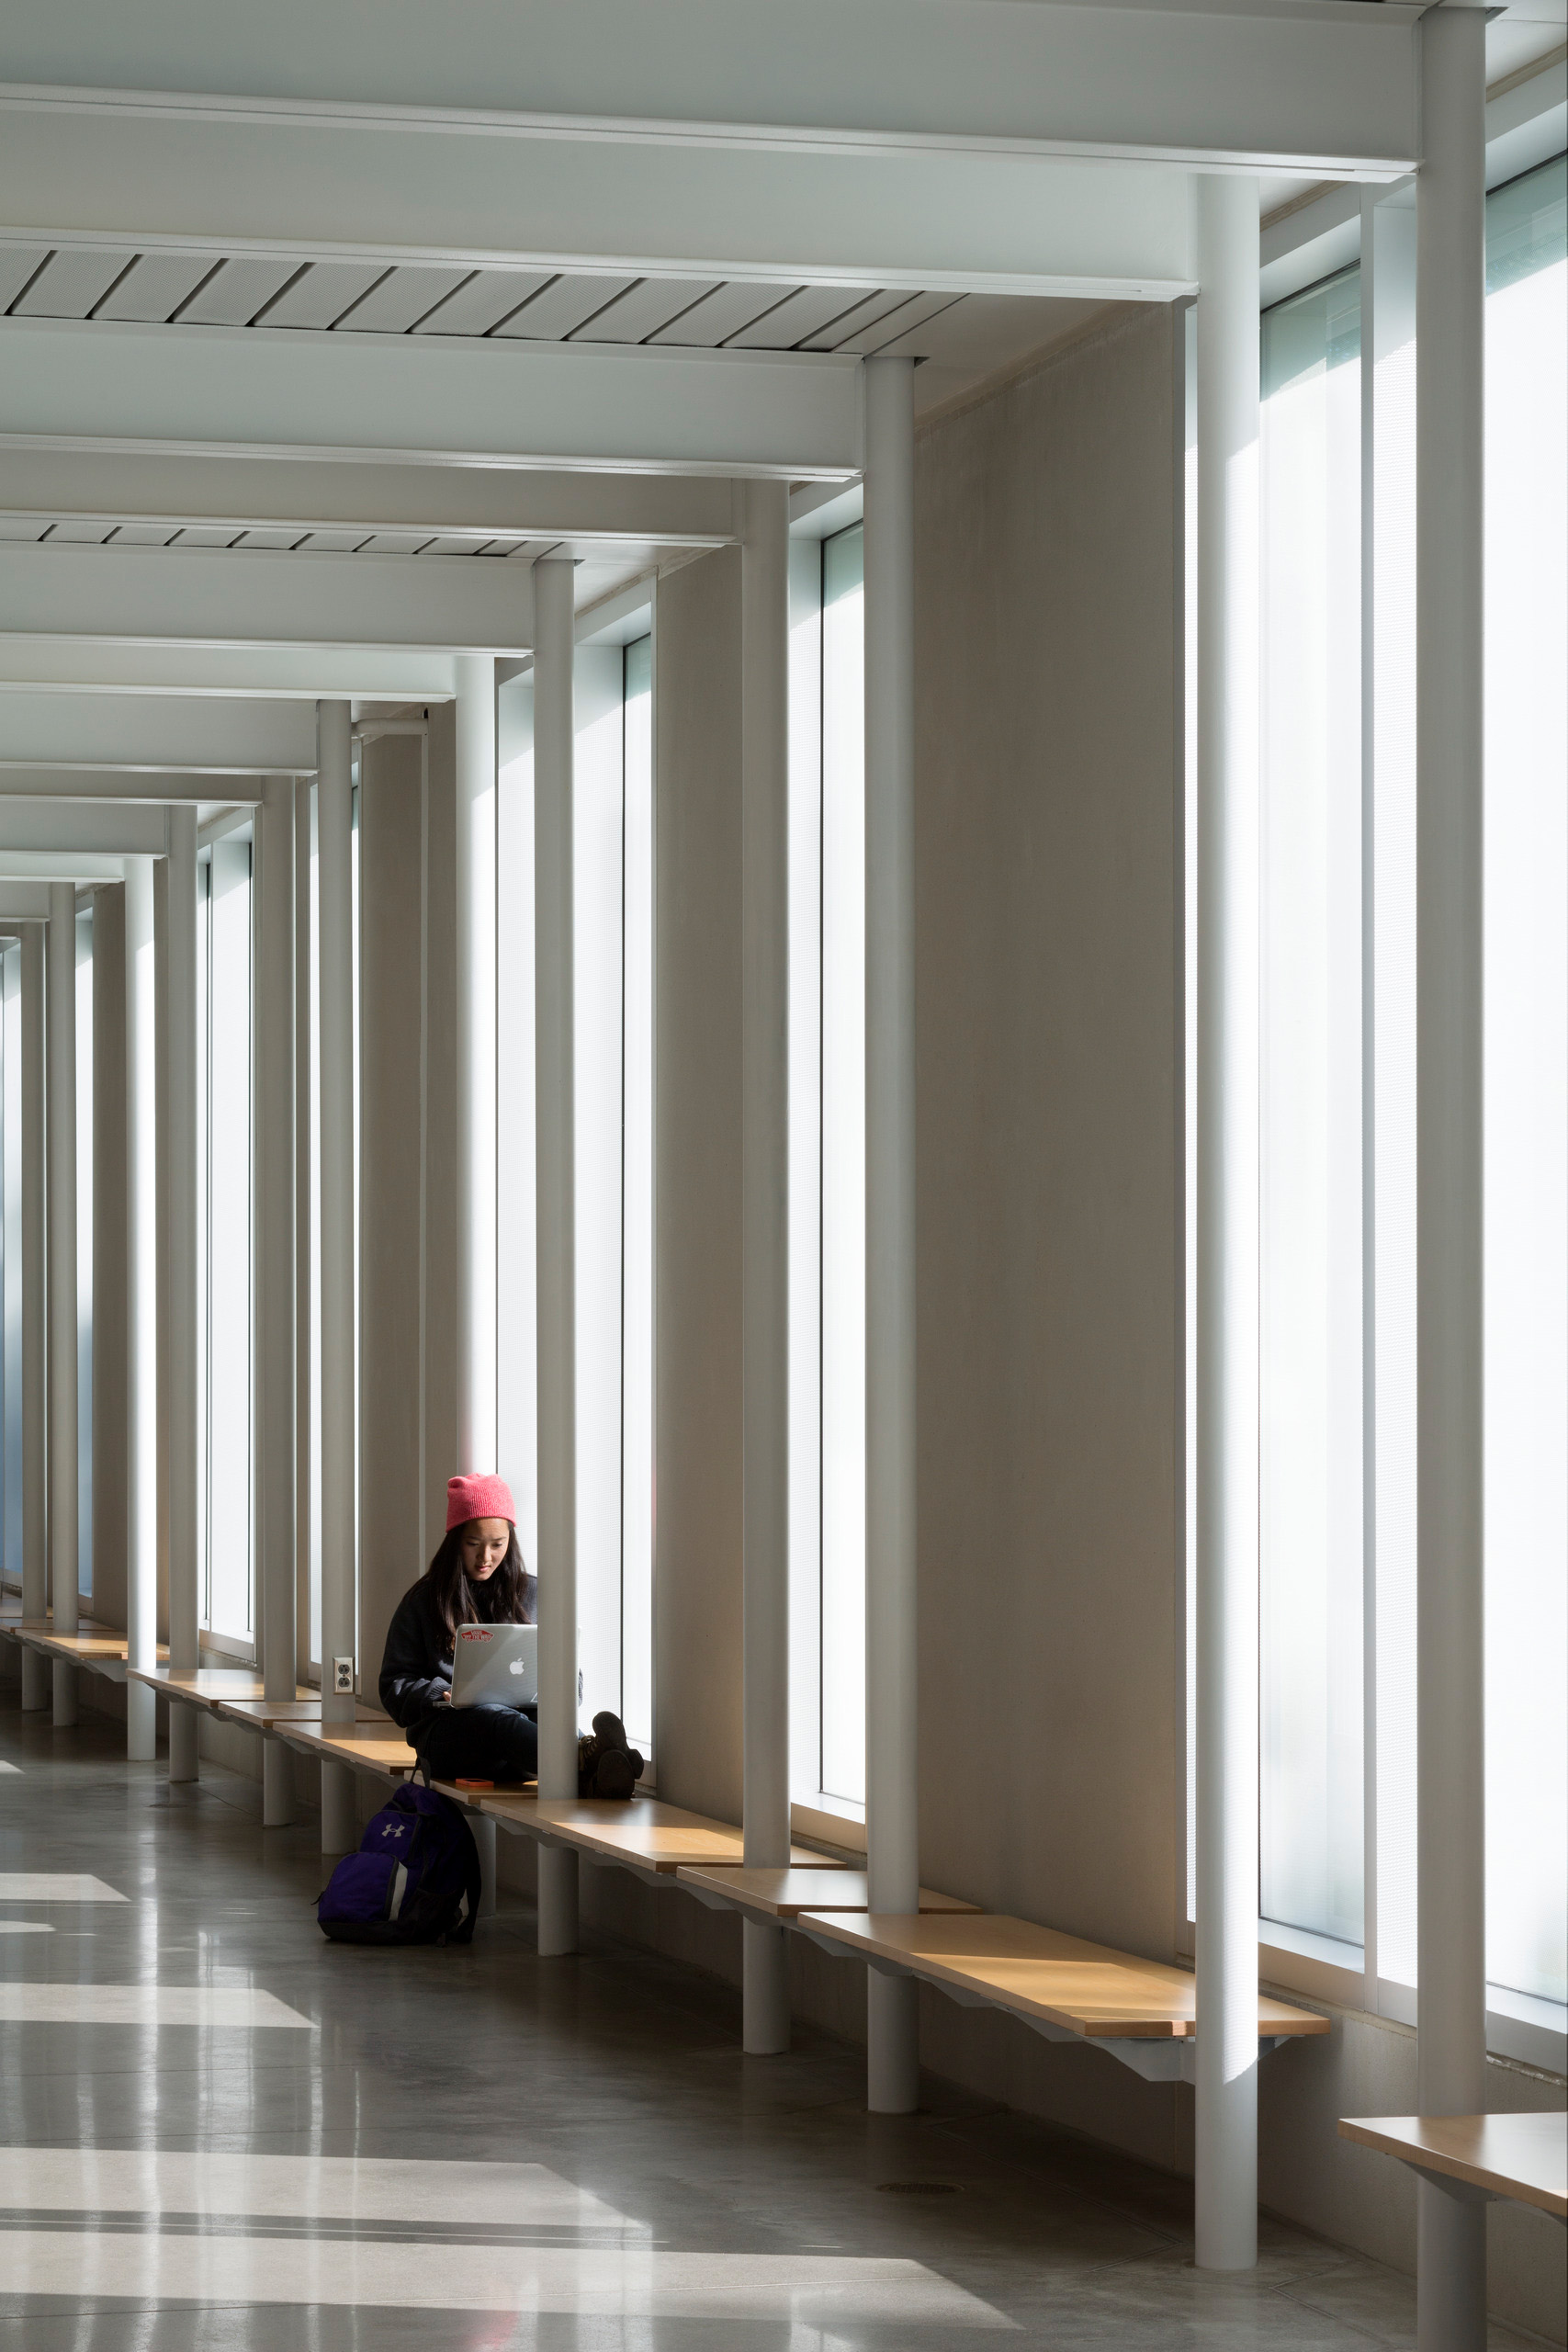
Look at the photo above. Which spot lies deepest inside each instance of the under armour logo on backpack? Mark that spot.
(393, 1829)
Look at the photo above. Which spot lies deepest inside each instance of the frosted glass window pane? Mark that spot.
(84, 1254)
(229, 1514)
(637, 1265)
(203, 1225)
(1313, 1705)
(806, 1168)
(597, 965)
(1525, 1185)
(314, 1470)
(843, 1166)
(11, 975)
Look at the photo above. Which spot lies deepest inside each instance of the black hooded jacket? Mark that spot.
(416, 1665)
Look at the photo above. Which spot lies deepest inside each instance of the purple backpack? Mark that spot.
(415, 1879)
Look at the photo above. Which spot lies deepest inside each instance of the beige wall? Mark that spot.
(698, 1186)
(1048, 892)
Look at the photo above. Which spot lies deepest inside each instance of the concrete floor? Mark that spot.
(474, 2148)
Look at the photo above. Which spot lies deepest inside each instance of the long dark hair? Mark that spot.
(498, 1599)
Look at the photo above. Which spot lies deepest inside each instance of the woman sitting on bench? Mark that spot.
(478, 1578)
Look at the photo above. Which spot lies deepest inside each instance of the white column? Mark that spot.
(476, 1071)
(142, 1303)
(35, 1352)
(274, 1271)
(557, 1276)
(892, 1744)
(334, 883)
(179, 1291)
(62, 1399)
(764, 982)
(1227, 1303)
(1451, 1849)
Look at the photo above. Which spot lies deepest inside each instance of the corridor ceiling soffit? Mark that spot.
(132, 788)
(146, 597)
(1321, 83)
(139, 731)
(24, 902)
(212, 390)
(68, 829)
(494, 510)
(205, 673)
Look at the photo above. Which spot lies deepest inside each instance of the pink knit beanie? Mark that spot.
(478, 1498)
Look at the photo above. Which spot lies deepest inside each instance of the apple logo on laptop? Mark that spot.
(516, 1666)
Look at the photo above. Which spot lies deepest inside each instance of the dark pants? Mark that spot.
(481, 1744)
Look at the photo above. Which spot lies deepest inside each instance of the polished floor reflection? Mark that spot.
(222, 2131)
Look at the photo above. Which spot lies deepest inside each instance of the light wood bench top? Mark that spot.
(642, 1832)
(784, 1895)
(1038, 1972)
(1522, 2157)
(267, 1712)
(206, 1685)
(479, 1799)
(92, 1644)
(378, 1746)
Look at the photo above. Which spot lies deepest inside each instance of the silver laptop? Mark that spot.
(496, 1666)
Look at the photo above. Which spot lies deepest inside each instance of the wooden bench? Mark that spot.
(101, 1649)
(1141, 2011)
(205, 1686)
(262, 1715)
(1521, 2158)
(642, 1834)
(784, 1894)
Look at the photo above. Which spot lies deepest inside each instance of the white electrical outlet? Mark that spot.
(342, 1676)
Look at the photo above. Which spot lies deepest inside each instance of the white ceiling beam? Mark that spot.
(24, 902)
(59, 866)
(313, 494)
(139, 731)
(310, 673)
(998, 222)
(447, 399)
(138, 789)
(1317, 83)
(66, 828)
(148, 596)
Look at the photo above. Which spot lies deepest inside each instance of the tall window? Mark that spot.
(84, 1251)
(1310, 1114)
(225, 1081)
(1338, 1194)
(613, 960)
(637, 1194)
(11, 1050)
(1526, 1061)
(612, 955)
(827, 1167)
